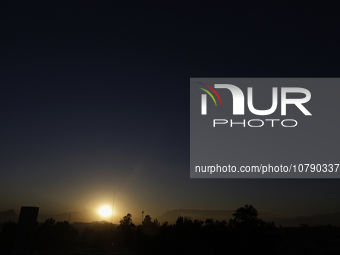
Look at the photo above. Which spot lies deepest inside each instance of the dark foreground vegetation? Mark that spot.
(245, 233)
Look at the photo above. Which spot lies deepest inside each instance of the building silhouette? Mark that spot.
(27, 225)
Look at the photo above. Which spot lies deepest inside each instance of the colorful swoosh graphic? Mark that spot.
(213, 90)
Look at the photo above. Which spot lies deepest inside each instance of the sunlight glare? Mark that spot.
(105, 211)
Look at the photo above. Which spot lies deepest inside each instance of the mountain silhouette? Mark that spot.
(172, 215)
(321, 219)
(315, 220)
(8, 215)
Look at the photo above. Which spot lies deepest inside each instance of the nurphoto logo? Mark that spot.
(238, 99)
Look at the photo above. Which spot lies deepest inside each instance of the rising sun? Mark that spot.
(105, 211)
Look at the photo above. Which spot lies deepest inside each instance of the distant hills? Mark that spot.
(8, 215)
(84, 216)
(171, 216)
(320, 219)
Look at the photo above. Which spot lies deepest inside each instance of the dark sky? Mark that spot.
(95, 98)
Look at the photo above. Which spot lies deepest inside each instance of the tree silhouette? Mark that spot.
(7, 237)
(246, 217)
(253, 235)
(55, 236)
(45, 238)
(126, 229)
(126, 223)
(245, 234)
(65, 235)
(147, 221)
(246, 214)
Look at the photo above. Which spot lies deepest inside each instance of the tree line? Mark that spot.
(245, 233)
